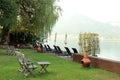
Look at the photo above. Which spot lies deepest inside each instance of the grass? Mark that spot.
(60, 69)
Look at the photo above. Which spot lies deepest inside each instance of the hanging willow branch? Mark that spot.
(38, 16)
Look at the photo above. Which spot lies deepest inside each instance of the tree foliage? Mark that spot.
(38, 16)
(8, 14)
(31, 17)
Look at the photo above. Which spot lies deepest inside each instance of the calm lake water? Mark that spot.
(109, 49)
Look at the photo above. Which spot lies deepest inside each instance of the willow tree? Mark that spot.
(8, 14)
(37, 16)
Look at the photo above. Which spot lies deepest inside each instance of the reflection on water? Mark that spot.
(109, 49)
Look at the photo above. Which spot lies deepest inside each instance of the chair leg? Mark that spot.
(28, 72)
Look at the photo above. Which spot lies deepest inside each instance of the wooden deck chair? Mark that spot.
(26, 65)
(20, 57)
(11, 50)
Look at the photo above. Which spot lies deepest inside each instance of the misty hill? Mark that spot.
(76, 24)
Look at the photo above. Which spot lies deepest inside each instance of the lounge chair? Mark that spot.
(49, 48)
(46, 48)
(55, 49)
(59, 49)
(74, 50)
(68, 51)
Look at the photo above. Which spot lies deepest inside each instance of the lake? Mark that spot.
(109, 49)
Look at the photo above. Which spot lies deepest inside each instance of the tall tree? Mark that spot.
(38, 16)
(8, 14)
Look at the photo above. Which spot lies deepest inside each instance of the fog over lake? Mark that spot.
(95, 16)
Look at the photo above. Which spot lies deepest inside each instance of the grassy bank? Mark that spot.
(60, 69)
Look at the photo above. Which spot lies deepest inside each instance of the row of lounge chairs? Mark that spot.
(57, 50)
(46, 48)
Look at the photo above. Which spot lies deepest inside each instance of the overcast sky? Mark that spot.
(100, 10)
(105, 11)
(71, 22)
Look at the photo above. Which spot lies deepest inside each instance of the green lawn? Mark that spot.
(60, 69)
